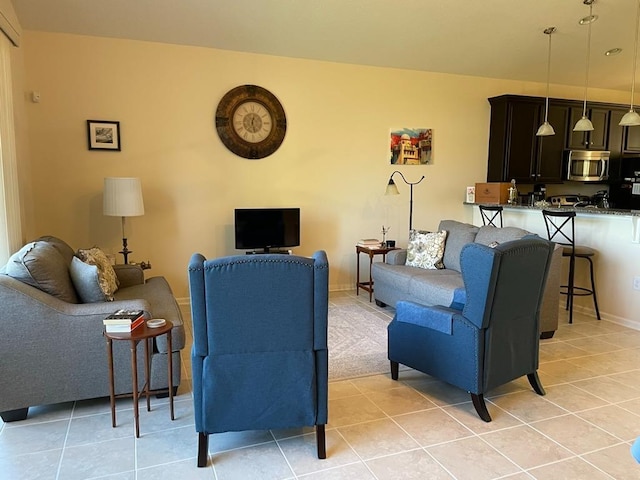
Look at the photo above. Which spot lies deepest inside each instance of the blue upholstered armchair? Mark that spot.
(259, 356)
(494, 338)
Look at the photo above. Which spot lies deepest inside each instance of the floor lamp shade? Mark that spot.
(122, 197)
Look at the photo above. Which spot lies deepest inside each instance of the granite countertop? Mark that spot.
(581, 210)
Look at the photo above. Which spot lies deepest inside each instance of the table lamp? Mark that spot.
(123, 198)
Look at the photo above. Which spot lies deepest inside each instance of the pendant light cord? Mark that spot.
(546, 103)
(635, 56)
(586, 82)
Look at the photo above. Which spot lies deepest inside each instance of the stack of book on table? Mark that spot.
(369, 243)
(123, 321)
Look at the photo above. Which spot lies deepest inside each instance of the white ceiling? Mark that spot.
(492, 38)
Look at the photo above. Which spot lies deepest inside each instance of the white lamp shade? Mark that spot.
(630, 119)
(391, 189)
(122, 197)
(545, 130)
(583, 125)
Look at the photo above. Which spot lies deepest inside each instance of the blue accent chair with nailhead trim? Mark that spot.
(494, 338)
(259, 356)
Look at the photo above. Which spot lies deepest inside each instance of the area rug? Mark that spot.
(357, 341)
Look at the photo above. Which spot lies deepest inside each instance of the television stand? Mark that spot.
(270, 250)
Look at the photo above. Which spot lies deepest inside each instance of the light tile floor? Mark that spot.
(379, 429)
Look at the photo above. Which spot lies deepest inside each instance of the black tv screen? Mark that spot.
(267, 228)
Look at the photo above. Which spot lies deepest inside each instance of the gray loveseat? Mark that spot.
(395, 281)
(51, 345)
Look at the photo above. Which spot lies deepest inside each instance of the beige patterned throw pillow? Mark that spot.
(426, 249)
(106, 274)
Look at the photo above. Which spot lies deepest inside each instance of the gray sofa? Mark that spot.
(52, 346)
(395, 281)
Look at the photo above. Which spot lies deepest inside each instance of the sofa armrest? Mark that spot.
(129, 275)
(397, 257)
(23, 303)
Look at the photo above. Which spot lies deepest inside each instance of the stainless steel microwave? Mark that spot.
(588, 165)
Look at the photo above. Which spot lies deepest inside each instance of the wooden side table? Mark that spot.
(372, 252)
(141, 333)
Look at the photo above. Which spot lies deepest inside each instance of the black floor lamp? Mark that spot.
(392, 189)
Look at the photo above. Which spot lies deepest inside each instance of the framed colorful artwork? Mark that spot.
(103, 135)
(411, 146)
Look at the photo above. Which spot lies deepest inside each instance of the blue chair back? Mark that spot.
(505, 304)
(259, 356)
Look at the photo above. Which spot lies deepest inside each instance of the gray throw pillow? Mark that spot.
(42, 266)
(86, 280)
(106, 274)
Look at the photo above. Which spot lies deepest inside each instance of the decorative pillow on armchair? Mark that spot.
(426, 249)
(107, 278)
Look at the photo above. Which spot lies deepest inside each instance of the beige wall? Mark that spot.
(333, 162)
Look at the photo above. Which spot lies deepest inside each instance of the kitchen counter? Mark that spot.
(578, 210)
(613, 233)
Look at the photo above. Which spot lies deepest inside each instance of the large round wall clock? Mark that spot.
(250, 121)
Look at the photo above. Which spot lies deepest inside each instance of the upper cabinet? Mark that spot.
(515, 152)
(551, 149)
(632, 140)
(595, 139)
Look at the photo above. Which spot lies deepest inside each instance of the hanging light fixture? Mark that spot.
(584, 124)
(631, 118)
(546, 129)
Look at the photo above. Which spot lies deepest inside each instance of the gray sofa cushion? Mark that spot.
(435, 287)
(488, 234)
(42, 266)
(459, 234)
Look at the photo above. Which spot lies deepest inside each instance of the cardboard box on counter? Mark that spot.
(492, 192)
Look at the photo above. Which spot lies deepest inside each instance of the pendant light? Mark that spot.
(584, 124)
(631, 118)
(546, 129)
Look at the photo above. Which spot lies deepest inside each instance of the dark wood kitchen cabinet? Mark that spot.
(515, 152)
(595, 139)
(551, 149)
(632, 140)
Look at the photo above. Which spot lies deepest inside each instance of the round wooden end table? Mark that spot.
(146, 334)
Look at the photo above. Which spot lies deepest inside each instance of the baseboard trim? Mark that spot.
(626, 322)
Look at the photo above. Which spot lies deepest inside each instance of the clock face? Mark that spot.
(251, 121)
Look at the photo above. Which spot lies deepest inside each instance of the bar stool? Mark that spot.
(490, 214)
(561, 230)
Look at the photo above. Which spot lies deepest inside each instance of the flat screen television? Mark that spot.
(267, 229)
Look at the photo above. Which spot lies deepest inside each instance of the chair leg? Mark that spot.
(593, 288)
(572, 272)
(321, 442)
(480, 406)
(534, 380)
(203, 449)
(394, 370)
